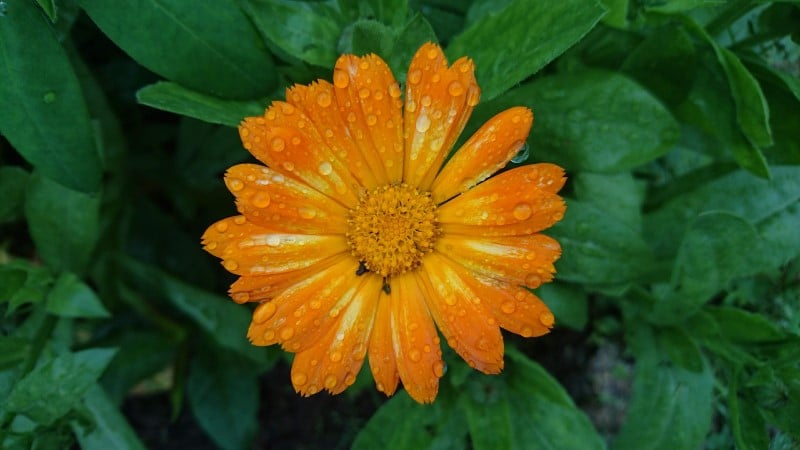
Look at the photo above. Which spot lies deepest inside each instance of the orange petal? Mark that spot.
(416, 343)
(486, 152)
(517, 202)
(515, 308)
(286, 140)
(254, 288)
(299, 315)
(521, 260)
(367, 95)
(248, 249)
(335, 360)
(439, 101)
(382, 362)
(318, 102)
(469, 328)
(279, 203)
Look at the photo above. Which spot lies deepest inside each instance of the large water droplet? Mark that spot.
(264, 312)
(415, 76)
(331, 381)
(394, 90)
(273, 240)
(49, 97)
(287, 333)
(547, 319)
(230, 265)
(455, 88)
(325, 168)
(335, 356)
(533, 281)
(235, 184)
(522, 154)
(522, 211)
(438, 369)
(414, 355)
(508, 307)
(324, 99)
(299, 378)
(221, 227)
(340, 79)
(423, 123)
(307, 212)
(278, 144)
(261, 200)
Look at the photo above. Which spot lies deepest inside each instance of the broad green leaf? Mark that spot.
(209, 46)
(569, 304)
(769, 205)
(716, 248)
(22, 282)
(681, 348)
(400, 424)
(13, 351)
(490, 422)
(598, 248)
(740, 326)
(12, 190)
(141, 354)
(671, 407)
(70, 297)
(109, 430)
(48, 125)
(407, 40)
(175, 98)
(50, 8)
(593, 121)
(784, 102)
(204, 152)
(63, 223)
(54, 388)
(620, 193)
(309, 31)
(223, 320)
(514, 43)
(218, 382)
(12, 279)
(747, 423)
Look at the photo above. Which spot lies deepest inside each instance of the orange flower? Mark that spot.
(356, 242)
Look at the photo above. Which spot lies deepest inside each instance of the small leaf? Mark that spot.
(53, 389)
(593, 121)
(49, 7)
(522, 38)
(48, 125)
(681, 348)
(191, 43)
(175, 98)
(63, 223)
(220, 381)
(109, 429)
(70, 297)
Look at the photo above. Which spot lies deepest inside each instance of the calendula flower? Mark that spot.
(357, 239)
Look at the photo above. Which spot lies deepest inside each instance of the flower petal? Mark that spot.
(469, 328)
(439, 101)
(522, 260)
(486, 152)
(318, 102)
(368, 98)
(300, 314)
(382, 362)
(517, 202)
(279, 203)
(286, 140)
(417, 348)
(515, 308)
(334, 361)
(248, 249)
(254, 288)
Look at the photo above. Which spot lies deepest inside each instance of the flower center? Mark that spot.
(392, 228)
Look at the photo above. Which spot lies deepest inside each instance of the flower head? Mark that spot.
(357, 240)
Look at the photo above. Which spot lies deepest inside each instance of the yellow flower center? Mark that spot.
(392, 228)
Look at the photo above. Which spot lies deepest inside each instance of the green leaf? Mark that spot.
(191, 43)
(13, 351)
(63, 223)
(12, 190)
(516, 42)
(309, 31)
(141, 354)
(109, 430)
(49, 7)
(53, 389)
(221, 381)
(11, 280)
(747, 423)
(740, 326)
(27, 283)
(48, 125)
(621, 194)
(175, 98)
(671, 407)
(400, 424)
(70, 297)
(674, 6)
(681, 348)
(569, 304)
(769, 205)
(598, 248)
(592, 121)
(717, 247)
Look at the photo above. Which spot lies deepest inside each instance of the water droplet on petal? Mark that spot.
(372, 119)
(414, 76)
(438, 369)
(473, 97)
(264, 312)
(508, 307)
(335, 356)
(547, 319)
(423, 123)
(235, 184)
(221, 227)
(522, 211)
(394, 90)
(522, 154)
(414, 355)
(307, 213)
(340, 79)
(527, 332)
(533, 281)
(324, 99)
(287, 333)
(325, 168)
(230, 265)
(455, 89)
(261, 200)
(363, 93)
(273, 240)
(299, 379)
(331, 381)
(426, 100)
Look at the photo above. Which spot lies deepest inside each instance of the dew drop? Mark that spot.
(287, 333)
(299, 379)
(49, 97)
(414, 76)
(264, 312)
(508, 307)
(235, 184)
(363, 93)
(522, 154)
(335, 356)
(372, 119)
(261, 200)
(331, 381)
(307, 212)
(450, 300)
(533, 281)
(438, 369)
(394, 90)
(288, 166)
(211, 245)
(239, 220)
(473, 97)
(527, 332)
(230, 265)
(278, 144)
(324, 99)
(547, 319)
(269, 335)
(349, 379)
(522, 211)
(325, 168)
(222, 227)
(415, 355)
(455, 89)
(340, 79)
(426, 100)
(423, 123)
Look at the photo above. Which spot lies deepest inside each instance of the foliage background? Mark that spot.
(677, 296)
